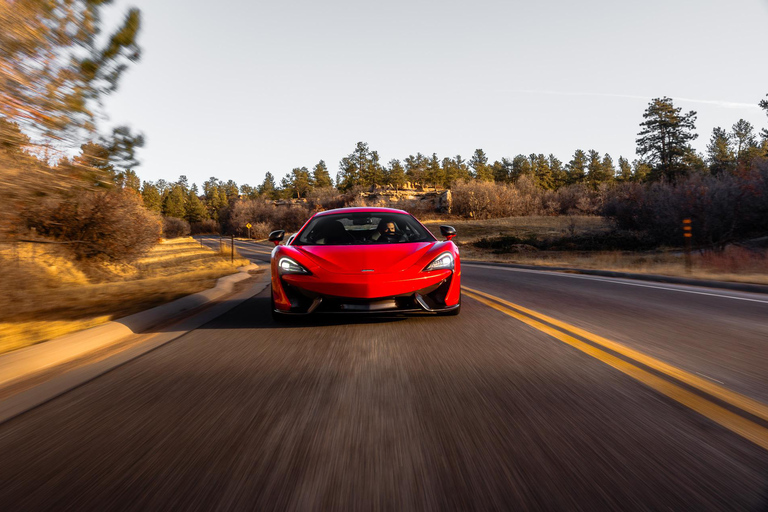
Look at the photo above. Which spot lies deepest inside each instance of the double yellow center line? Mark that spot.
(705, 406)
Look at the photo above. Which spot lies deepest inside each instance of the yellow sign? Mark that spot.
(248, 225)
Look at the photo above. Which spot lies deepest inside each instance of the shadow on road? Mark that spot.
(261, 318)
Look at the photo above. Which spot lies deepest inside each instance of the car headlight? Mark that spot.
(288, 266)
(442, 262)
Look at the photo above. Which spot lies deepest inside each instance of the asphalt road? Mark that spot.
(482, 411)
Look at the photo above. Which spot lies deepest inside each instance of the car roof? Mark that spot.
(362, 209)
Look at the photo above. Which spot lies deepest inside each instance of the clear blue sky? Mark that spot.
(236, 88)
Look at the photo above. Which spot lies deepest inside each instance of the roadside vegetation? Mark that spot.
(47, 294)
(593, 242)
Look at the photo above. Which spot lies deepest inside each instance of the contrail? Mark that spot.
(718, 103)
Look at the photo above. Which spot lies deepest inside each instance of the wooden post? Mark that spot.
(687, 235)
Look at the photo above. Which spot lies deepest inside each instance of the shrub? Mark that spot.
(110, 224)
(250, 210)
(255, 211)
(485, 200)
(260, 230)
(577, 199)
(722, 208)
(290, 218)
(615, 240)
(205, 227)
(326, 198)
(174, 227)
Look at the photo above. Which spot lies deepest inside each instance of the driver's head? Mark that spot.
(387, 227)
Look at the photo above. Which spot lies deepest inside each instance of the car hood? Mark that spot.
(353, 259)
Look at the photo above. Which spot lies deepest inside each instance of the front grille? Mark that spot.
(426, 299)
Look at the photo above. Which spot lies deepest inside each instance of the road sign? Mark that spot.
(248, 225)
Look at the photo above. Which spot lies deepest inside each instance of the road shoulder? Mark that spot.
(33, 375)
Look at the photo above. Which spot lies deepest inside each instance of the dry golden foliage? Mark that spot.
(45, 295)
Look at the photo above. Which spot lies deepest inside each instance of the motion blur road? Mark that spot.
(520, 402)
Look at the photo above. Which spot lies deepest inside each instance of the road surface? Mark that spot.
(549, 392)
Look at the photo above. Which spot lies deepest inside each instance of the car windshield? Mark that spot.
(363, 228)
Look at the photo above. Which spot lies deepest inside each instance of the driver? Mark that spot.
(386, 232)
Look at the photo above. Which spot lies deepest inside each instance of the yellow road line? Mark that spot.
(733, 422)
(744, 403)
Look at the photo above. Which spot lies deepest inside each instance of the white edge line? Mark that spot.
(616, 280)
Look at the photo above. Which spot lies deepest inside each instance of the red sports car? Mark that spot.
(365, 260)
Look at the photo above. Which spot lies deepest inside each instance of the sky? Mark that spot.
(236, 88)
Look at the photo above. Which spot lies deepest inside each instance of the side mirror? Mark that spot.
(277, 236)
(448, 232)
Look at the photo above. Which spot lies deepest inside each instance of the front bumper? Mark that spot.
(435, 292)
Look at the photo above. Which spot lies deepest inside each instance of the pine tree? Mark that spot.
(665, 137)
(174, 202)
(354, 169)
(151, 197)
(479, 164)
(348, 175)
(248, 192)
(128, 180)
(455, 169)
(608, 169)
(559, 176)
(746, 143)
(395, 174)
(594, 167)
(462, 168)
(416, 169)
(720, 155)
(372, 172)
(285, 191)
(320, 176)
(577, 167)
(521, 166)
(450, 170)
(268, 188)
(435, 174)
(500, 172)
(183, 182)
(625, 170)
(223, 200)
(641, 170)
(764, 105)
(231, 190)
(694, 162)
(298, 182)
(541, 171)
(194, 209)
(214, 198)
(57, 65)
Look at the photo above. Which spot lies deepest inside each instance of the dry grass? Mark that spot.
(666, 264)
(735, 264)
(45, 295)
